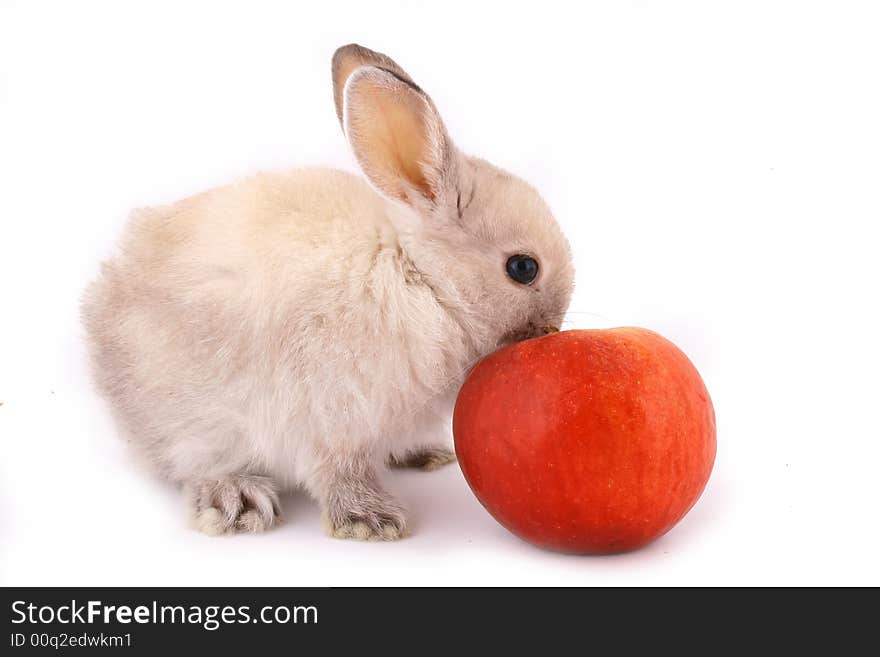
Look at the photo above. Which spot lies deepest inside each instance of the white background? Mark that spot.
(715, 165)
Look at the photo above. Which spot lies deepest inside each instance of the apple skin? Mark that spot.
(586, 441)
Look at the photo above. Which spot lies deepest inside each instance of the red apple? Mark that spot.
(588, 441)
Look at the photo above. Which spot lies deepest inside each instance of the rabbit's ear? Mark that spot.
(397, 135)
(351, 57)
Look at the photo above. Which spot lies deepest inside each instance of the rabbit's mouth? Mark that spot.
(527, 332)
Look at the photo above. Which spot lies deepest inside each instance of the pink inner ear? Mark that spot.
(388, 131)
(351, 57)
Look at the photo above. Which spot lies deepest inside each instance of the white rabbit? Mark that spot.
(308, 328)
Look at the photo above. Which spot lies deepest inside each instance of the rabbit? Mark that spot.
(308, 329)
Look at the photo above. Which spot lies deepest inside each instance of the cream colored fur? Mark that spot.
(298, 329)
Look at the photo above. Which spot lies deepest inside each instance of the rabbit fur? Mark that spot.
(304, 329)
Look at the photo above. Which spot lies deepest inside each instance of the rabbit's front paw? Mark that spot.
(424, 458)
(363, 511)
(379, 524)
(238, 503)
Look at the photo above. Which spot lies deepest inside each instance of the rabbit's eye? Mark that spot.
(522, 268)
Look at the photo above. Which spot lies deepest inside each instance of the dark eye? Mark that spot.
(522, 268)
